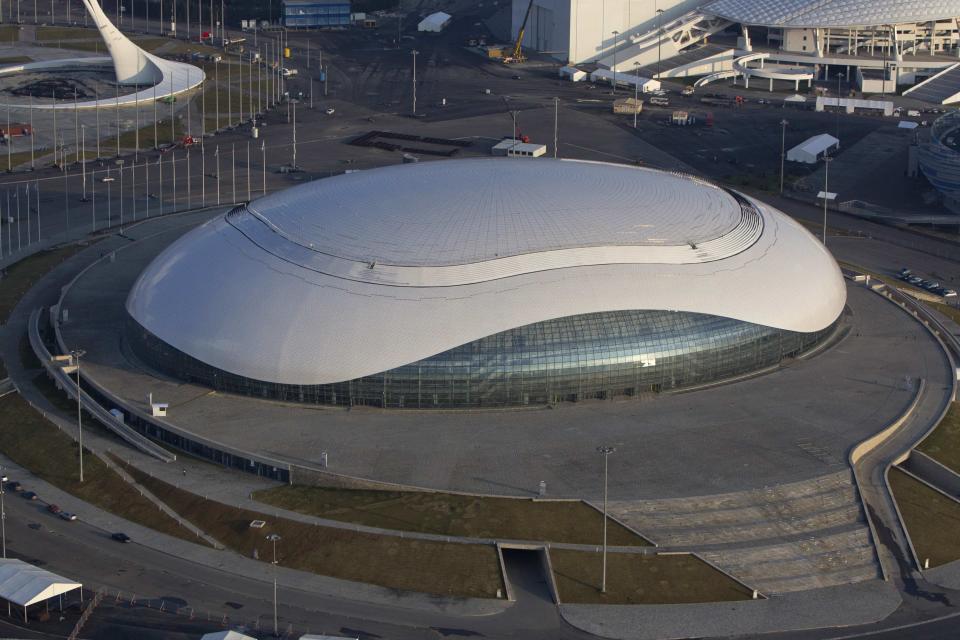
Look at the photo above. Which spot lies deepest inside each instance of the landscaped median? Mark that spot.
(442, 568)
(34, 443)
(943, 445)
(450, 514)
(931, 519)
(640, 578)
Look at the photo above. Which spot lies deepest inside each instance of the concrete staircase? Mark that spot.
(791, 537)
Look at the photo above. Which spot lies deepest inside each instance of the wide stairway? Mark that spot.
(938, 89)
(790, 537)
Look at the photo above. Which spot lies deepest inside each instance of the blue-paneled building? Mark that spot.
(316, 13)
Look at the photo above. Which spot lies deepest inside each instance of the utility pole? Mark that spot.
(263, 161)
(636, 92)
(659, 38)
(233, 171)
(556, 122)
(274, 538)
(156, 137)
(248, 172)
(117, 109)
(77, 353)
(216, 82)
(783, 150)
(3, 516)
(32, 136)
(826, 193)
(216, 154)
(840, 77)
(615, 34)
(294, 165)
(415, 52)
(606, 451)
(83, 163)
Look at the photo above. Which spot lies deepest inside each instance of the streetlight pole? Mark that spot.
(826, 193)
(783, 150)
(77, 353)
(274, 538)
(840, 77)
(606, 451)
(659, 38)
(3, 516)
(415, 52)
(636, 93)
(556, 122)
(615, 34)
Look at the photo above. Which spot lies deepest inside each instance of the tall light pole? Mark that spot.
(263, 162)
(556, 123)
(840, 77)
(606, 451)
(826, 193)
(3, 515)
(636, 93)
(659, 38)
(615, 34)
(77, 353)
(274, 538)
(414, 52)
(783, 150)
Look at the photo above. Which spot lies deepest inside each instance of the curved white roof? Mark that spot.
(832, 13)
(361, 273)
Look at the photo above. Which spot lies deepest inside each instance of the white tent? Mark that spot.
(226, 635)
(626, 80)
(435, 22)
(810, 150)
(24, 584)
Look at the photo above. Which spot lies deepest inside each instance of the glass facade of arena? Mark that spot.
(595, 355)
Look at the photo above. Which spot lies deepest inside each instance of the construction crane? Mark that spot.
(518, 46)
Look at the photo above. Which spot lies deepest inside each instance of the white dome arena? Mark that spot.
(379, 273)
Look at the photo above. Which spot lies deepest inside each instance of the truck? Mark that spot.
(659, 101)
(288, 73)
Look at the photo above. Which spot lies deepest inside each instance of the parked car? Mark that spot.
(120, 537)
(287, 73)
(931, 286)
(14, 486)
(54, 509)
(687, 91)
(107, 179)
(66, 515)
(949, 293)
(330, 111)
(30, 495)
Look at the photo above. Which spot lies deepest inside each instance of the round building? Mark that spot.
(485, 283)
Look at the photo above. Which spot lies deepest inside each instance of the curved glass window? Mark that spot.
(594, 355)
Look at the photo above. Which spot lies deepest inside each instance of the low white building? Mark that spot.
(572, 74)
(518, 149)
(629, 80)
(435, 22)
(811, 150)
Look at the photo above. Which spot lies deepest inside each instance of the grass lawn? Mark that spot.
(931, 518)
(34, 443)
(24, 274)
(453, 515)
(15, 59)
(9, 33)
(634, 578)
(46, 34)
(396, 563)
(951, 312)
(943, 445)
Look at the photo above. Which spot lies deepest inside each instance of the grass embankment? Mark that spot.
(397, 563)
(951, 312)
(95, 44)
(943, 445)
(24, 274)
(931, 518)
(15, 59)
(453, 515)
(634, 578)
(31, 441)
